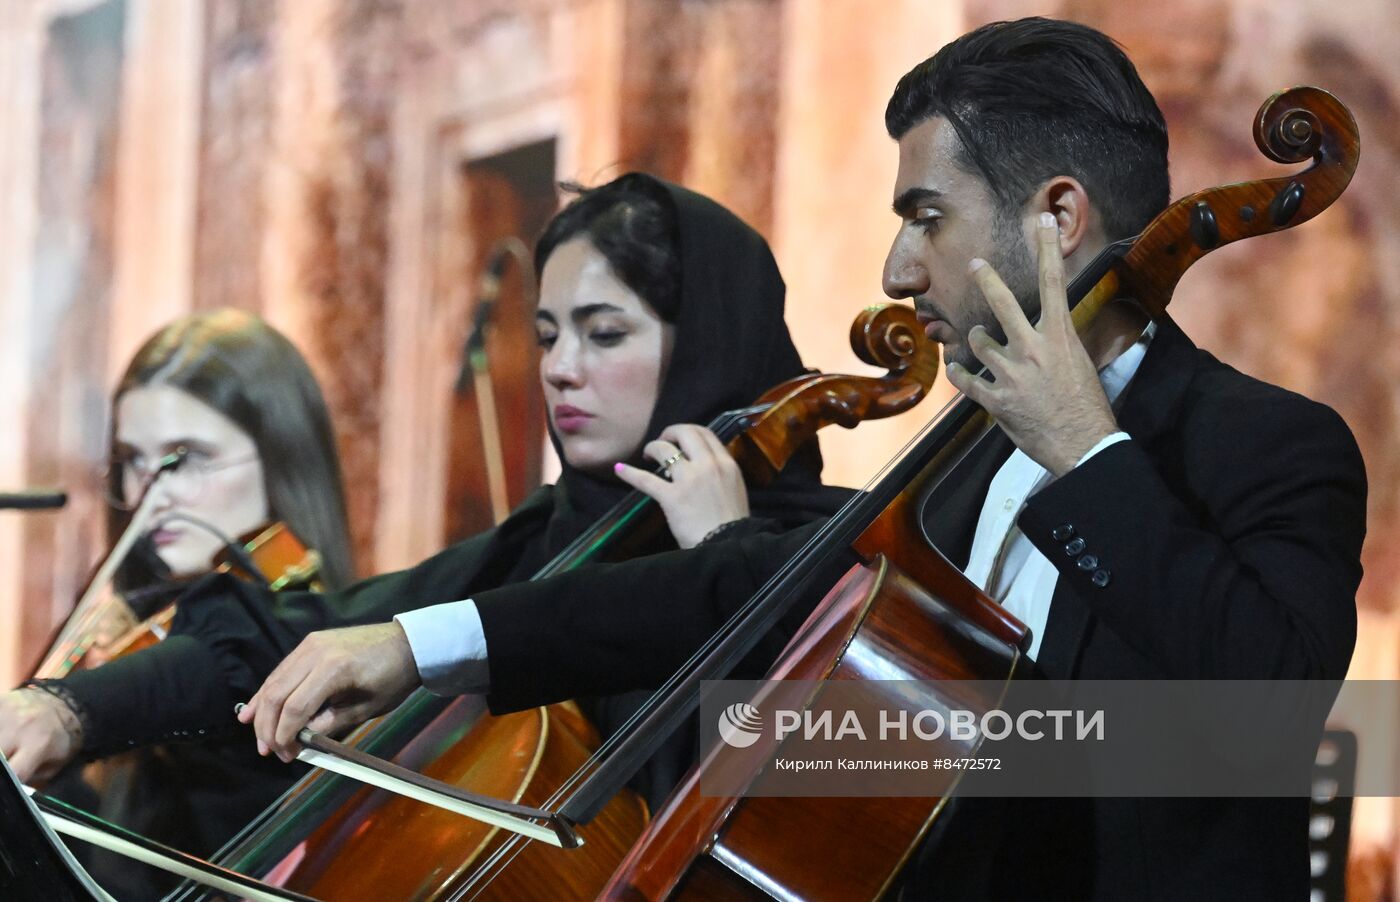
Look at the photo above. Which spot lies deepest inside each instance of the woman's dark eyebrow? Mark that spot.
(187, 441)
(581, 314)
(167, 447)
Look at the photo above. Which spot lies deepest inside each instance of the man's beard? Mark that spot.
(1013, 262)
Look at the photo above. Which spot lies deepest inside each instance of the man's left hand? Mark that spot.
(334, 680)
(1047, 395)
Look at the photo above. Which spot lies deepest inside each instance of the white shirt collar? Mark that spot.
(1116, 376)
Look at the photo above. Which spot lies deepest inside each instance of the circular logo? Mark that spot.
(740, 725)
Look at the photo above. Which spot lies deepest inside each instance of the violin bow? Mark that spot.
(70, 646)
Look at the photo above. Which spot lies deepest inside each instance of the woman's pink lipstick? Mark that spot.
(570, 419)
(163, 536)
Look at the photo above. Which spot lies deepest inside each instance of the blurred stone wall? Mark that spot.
(293, 198)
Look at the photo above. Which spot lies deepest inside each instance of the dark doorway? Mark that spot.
(511, 194)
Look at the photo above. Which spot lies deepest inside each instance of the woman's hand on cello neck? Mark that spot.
(39, 733)
(705, 488)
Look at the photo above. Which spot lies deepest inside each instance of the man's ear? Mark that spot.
(1064, 198)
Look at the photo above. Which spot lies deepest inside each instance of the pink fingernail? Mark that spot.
(617, 467)
(976, 264)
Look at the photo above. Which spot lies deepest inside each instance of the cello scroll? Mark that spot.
(1291, 127)
(884, 335)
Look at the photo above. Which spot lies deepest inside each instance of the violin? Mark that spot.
(331, 839)
(271, 555)
(905, 609)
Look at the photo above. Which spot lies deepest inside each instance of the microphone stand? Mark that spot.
(476, 366)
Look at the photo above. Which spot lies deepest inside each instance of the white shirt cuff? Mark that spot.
(1104, 442)
(449, 647)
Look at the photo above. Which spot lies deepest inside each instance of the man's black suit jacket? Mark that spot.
(1229, 531)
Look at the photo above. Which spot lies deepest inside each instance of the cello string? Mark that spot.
(1318, 161)
(725, 427)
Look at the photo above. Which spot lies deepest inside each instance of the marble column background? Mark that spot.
(300, 158)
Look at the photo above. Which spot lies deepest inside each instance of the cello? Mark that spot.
(905, 609)
(332, 839)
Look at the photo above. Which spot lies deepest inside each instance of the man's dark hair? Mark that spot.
(1036, 98)
(631, 222)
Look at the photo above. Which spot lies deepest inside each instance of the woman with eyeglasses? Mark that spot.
(219, 418)
(236, 402)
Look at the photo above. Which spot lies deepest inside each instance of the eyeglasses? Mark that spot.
(183, 474)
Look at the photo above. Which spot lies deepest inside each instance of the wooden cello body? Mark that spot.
(864, 630)
(520, 757)
(906, 613)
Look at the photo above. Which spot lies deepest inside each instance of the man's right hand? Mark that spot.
(334, 680)
(39, 734)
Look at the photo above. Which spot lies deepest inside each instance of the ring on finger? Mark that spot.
(670, 462)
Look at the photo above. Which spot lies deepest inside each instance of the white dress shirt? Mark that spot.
(449, 645)
(1024, 584)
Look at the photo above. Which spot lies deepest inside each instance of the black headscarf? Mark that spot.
(731, 346)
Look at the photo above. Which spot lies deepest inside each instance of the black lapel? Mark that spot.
(1152, 401)
(1148, 408)
(950, 511)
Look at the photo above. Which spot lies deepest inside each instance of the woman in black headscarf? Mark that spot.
(709, 298)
